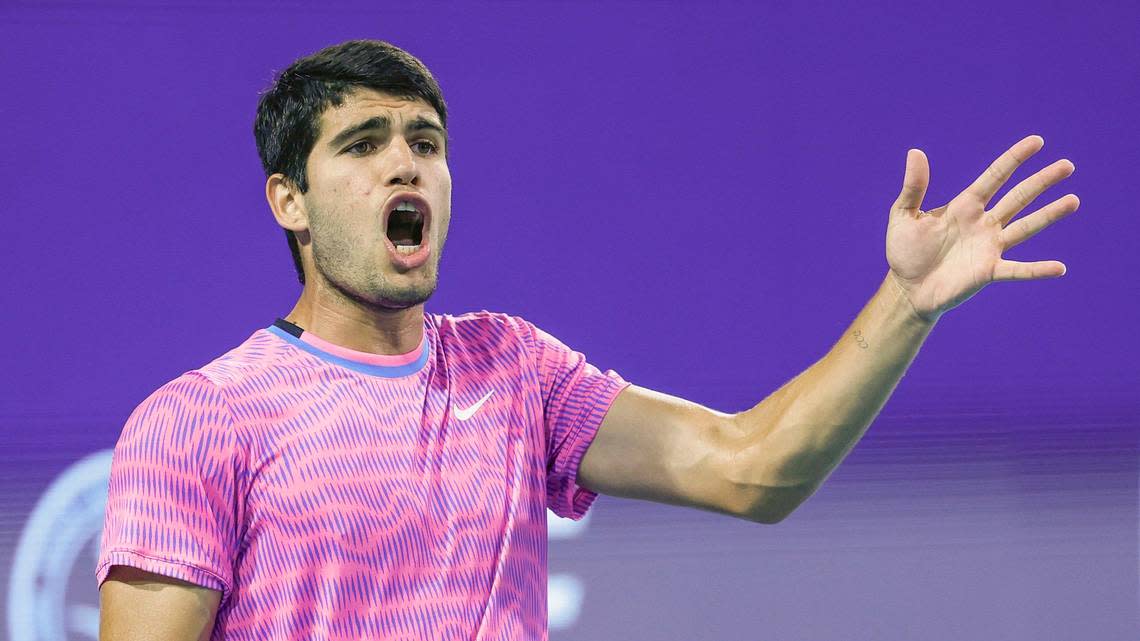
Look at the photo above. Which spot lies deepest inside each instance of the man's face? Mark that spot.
(375, 153)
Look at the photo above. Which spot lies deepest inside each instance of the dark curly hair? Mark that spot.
(289, 112)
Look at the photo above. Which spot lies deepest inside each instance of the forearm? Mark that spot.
(800, 433)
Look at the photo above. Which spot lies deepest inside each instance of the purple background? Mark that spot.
(694, 195)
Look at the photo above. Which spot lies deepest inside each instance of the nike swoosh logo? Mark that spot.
(466, 413)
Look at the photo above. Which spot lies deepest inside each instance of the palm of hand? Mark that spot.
(942, 257)
(951, 251)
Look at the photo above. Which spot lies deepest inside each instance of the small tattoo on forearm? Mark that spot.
(859, 339)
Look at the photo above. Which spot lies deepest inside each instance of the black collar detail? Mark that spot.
(286, 326)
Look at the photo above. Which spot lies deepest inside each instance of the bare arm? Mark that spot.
(658, 447)
(801, 433)
(761, 463)
(137, 605)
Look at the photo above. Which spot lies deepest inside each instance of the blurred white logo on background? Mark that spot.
(51, 593)
(565, 591)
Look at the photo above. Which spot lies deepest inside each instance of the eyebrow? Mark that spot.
(419, 123)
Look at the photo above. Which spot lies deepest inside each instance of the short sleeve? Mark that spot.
(576, 397)
(171, 506)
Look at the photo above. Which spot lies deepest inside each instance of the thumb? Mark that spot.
(915, 180)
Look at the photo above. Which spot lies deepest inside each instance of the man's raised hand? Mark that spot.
(942, 257)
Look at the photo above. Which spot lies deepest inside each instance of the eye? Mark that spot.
(360, 146)
(430, 146)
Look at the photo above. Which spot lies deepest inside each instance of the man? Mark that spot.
(363, 469)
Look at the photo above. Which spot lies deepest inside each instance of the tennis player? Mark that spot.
(360, 468)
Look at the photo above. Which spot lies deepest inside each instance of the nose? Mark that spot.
(401, 164)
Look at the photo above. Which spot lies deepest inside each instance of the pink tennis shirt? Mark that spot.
(336, 494)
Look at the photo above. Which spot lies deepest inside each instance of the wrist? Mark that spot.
(898, 293)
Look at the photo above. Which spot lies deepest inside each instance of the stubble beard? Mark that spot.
(343, 261)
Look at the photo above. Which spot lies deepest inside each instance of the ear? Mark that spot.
(287, 203)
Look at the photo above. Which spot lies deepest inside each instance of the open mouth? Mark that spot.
(406, 228)
(407, 225)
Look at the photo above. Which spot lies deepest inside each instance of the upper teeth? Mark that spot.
(405, 206)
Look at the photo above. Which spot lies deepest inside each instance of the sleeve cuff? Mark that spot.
(572, 500)
(165, 567)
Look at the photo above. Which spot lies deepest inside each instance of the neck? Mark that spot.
(359, 326)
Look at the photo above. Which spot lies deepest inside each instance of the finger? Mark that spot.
(1027, 190)
(915, 179)
(1026, 227)
(1001, 169)
(1016, 270)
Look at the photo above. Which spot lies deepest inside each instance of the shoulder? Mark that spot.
(484, 327)
(255, 357)
(202, 392)
(494, 337)
(481, 319)
(185, 421)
